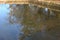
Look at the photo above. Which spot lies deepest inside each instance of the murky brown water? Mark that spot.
(28, 22)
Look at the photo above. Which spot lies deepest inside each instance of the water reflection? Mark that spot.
(8, 31)
(28, 22)
(38, 23)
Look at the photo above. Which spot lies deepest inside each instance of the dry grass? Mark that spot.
(20, 1)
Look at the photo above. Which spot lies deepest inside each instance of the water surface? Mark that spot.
(8, 31)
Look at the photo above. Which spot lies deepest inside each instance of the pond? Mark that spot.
(28, 22)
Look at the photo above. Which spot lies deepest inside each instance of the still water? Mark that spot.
(8, 31)
(28, 22)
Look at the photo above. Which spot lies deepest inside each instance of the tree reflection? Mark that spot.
(34, 19)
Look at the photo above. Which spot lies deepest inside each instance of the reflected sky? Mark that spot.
(7, 31)
(4, 9)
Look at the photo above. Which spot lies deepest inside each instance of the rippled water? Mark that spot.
(8, 31)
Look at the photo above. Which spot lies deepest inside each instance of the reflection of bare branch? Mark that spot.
(35, 19)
